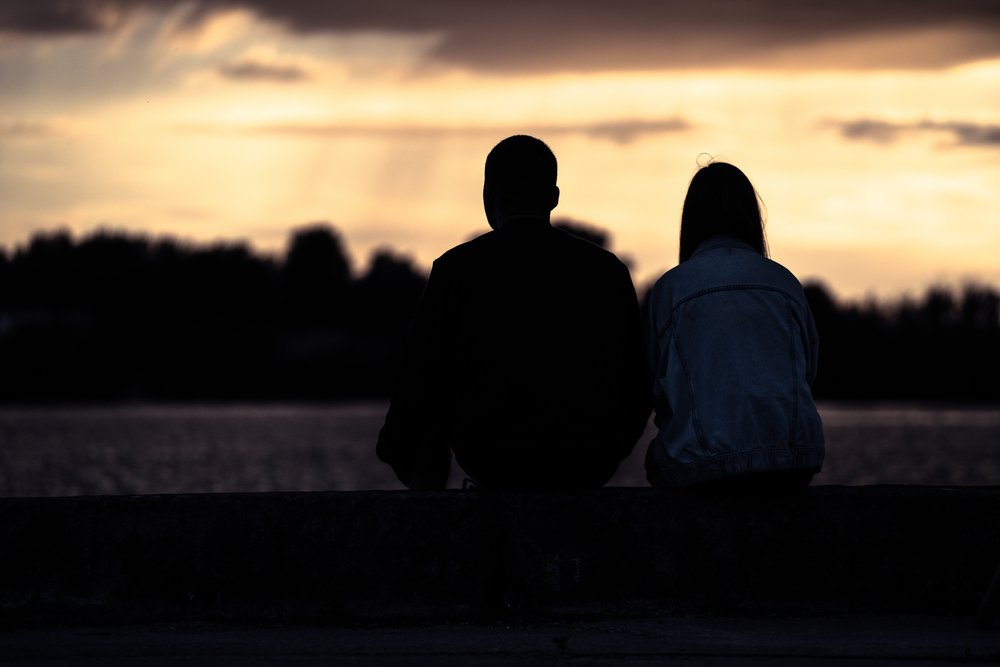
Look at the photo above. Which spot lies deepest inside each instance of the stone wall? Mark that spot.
(461, 554)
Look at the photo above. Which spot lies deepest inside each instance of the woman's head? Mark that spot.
(721, 202)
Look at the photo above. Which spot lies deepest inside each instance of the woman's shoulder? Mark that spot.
(719, 271)
(786, 280)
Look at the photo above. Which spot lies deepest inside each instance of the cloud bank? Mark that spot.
(252, 70)
(618, 131)
(595, 35)
(881, 131)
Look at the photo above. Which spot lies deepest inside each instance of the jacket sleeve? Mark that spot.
(812, 346)
(656, 361)
(412, 440)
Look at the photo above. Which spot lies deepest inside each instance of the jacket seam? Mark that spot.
(726, 288)
(695, 418)
(808, 457)
(792, 328)
(724, 456)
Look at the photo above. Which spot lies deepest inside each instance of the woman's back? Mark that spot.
(732, 347)
(732, 350)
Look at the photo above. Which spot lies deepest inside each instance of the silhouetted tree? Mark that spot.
(943, 345)
(5, 287)
(980, 308)
(387, 295)
(229, 283)
(316, 274)
(111, 275)
(41, 270)
(118, 314)
(939, 308)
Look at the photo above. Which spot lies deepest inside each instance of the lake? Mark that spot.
(205, 448)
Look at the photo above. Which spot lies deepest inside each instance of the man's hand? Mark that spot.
(430, 473)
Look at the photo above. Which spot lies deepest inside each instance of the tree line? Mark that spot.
(117, 316)
(123, 316)
(943, 345)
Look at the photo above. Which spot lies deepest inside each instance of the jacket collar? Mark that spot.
(717, 242)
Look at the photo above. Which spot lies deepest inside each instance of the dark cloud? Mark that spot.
(26, 129)
(57, 17)
(963, 134)
(250, 70)
(588, 35)
(872, 130)
(624, 132)
(970, 134)
(620, 131)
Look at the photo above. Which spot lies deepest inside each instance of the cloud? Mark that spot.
(618, 131)
(251, 70)
(971, 134)
(30, 129)
(880, 131)
(624, 132)
(65, 17)
(591, 35)
(52, 18)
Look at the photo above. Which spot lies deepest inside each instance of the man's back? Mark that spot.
(526, 360)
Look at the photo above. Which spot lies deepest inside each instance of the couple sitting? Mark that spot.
(527, 357)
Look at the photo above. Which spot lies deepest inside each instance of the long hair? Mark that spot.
(721, 202)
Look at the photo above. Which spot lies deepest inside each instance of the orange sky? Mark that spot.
(873, 140)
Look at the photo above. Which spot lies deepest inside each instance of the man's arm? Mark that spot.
(643, 379)
(638, 390)
(656, 363)
(411, 440)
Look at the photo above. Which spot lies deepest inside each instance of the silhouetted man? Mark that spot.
(526, 356)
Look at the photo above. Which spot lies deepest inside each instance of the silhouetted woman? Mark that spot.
(732, 348)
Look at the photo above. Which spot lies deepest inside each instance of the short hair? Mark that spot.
(521, 171)
(721, 201)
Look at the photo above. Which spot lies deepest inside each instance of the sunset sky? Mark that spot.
(870, 129)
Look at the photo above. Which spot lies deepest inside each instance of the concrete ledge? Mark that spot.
(394, 555)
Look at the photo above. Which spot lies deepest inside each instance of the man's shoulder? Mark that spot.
(470, 251)
(589, 252)
(561, 247)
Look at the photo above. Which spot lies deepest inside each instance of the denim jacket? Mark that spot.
(732, 347)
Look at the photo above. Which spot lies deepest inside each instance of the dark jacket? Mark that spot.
(525, 359)
(733, 349)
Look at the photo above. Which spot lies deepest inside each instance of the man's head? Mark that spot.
(520, 180)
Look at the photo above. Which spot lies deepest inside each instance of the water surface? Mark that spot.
(168, 448)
